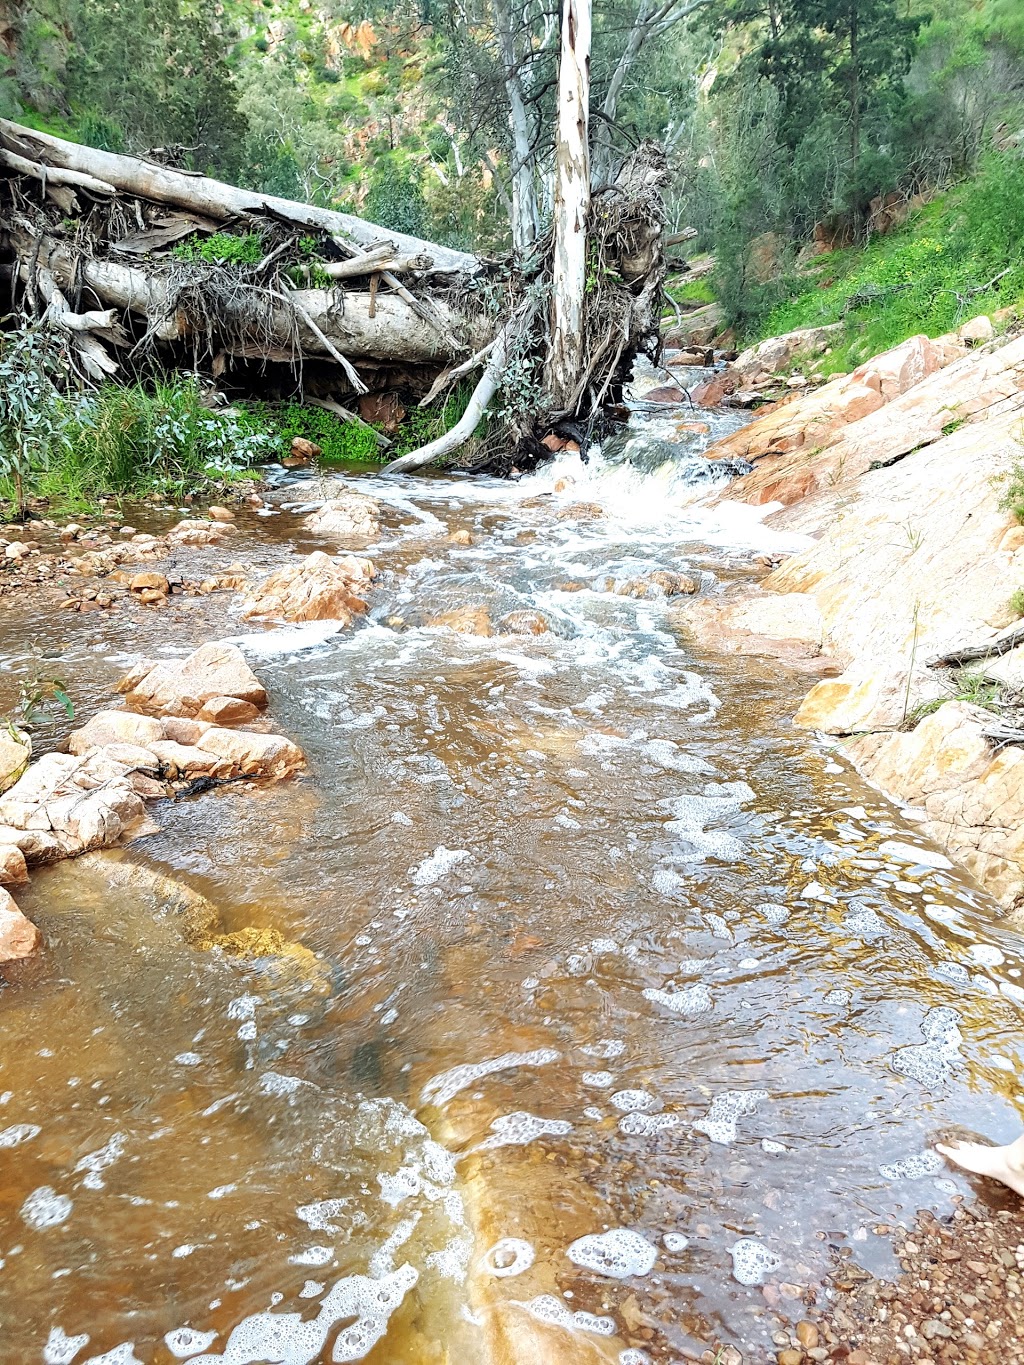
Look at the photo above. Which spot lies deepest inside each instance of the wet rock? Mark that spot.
(523, 623)
(13, 868)
(181, 688)
(19, 937)
(148, 583)
(301, 449)
(973, 795)
(461, 537)
(465, 621)
(115, 727)
(581, 511)
(665, 393)
(807, 1334)
(15, 752)
(253, 755)
(660, 583)
(220, 514)
(228, 711)
(318, 589)
(347, 516)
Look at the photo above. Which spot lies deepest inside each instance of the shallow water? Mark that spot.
(603, 945)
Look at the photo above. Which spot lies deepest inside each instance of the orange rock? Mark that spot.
(465, 620)
(149, 582)
(19, 937)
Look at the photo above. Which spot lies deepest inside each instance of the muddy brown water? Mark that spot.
(605, 949)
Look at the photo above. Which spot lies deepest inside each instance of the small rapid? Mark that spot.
(616, 1007)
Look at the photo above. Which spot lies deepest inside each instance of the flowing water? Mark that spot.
(631, 1007)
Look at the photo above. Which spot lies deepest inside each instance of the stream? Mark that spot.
(633, 1007)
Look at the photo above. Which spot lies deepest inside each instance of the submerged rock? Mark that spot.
(318, 589)
(465, 621)
(348, 516)
(19, 937)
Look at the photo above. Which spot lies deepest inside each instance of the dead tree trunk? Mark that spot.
(572, 205)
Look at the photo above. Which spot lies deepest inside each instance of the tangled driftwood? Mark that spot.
(88, 237)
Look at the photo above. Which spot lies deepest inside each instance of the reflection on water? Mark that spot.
(629, 1002)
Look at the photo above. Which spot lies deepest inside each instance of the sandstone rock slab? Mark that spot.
(15, 753)
(347, 516)
(318, 589)
(181, 688)
(19, 937)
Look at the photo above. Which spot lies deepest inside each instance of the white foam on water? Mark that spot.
(600, 1080)
(437, 865)
(118, 1355)
(284, 640)
(603, 945)
(633, 1355)
(774, 914)
(510, 1256)
(986, 954)
(274, 1083)
(19, 1133)
(60, 1349)
(312, 1256)
(865, 922)
(382, 1262)
(691, 1000)
(773, 1148)
(692, 815)
(752, 1261)
(647, 1125)
(618, 1253)
(675, 1241)
(288, 1339)
(445, 1086)
(719, 1123)
(605, 1048)
(931, 1062)
(520, 1128)
(318, 1217)
(546, 1308)
(839, 995)
(312, 1289)
(630, 1100)
(694, 966)
(910, 853)
(94, 1163)
(186, 1341)
(452, 1261)
(912, 1167)
(45, 1208)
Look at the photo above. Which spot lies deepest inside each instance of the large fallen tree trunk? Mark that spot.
(118, 252)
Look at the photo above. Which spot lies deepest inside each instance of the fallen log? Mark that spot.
(158, 184)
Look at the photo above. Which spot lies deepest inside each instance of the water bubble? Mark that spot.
(912, 1167)
(618, 1253)
(547, 1308)
(186, 1341)
(774, 914)
(520, 1128)
(930, 1062)
(752, 1261)
(986, 954)
(691, 1000)
(437, 865)
(629, 1100)
(600, 1080)
(510, 1256)
(45, 1208)
(448, 1084)
(675, 1241)
(646, 1125)
(60, 1349)
(720, 1121)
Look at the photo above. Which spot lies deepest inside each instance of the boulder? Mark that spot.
(228, 711)
(301, 449)
(347, 516)
(318, 589)
(870, 695)
(15, 752)
(220, 514)
(187, 761)
(19, 937)
(776, 353)
(249, 754)
(149, 583)
(660, 583)
(13, 868)
(523, 623)
(115, 727)
(977, 331)
(895, 371)
(181, 688)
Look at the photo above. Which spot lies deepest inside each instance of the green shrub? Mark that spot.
(340, 442)
(1017, 602)
(221, 248)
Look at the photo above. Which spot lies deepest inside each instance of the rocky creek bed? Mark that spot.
(552, 998)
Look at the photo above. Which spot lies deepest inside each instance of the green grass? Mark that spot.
(131, 440)
(691, 291)
(1016, 602)
(908, 281)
